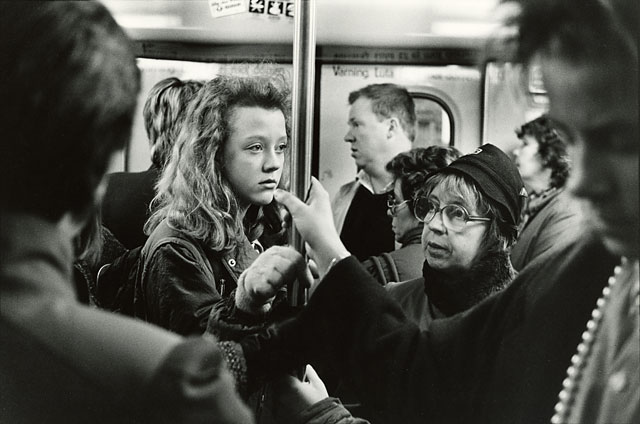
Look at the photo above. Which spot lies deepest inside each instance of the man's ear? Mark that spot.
(393, 127)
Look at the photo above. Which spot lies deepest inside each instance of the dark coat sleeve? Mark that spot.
(385, 355)
(326, 411)
(228, 322)
(478, 366)
(179, 290)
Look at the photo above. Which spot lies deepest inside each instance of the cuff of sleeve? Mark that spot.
(232, 352)
(328, 410)
(246, 305)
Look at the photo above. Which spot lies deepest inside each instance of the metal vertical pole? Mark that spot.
(304, 56)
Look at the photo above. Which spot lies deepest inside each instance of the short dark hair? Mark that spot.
(412, 168)
(164, 112)
(388, 100)
(579, 29)
(552, 149)
(72, 87)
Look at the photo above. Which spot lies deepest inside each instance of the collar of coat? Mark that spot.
(491, 273)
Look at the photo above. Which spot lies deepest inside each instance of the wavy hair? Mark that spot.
(193, 194)
(164, 112)
(551, 148)
(412, 168)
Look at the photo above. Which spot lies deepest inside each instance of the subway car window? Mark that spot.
(433, 122)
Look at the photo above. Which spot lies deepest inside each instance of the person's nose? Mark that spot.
(436, 224)
(348, 137)
(588, 176)
(272, 161)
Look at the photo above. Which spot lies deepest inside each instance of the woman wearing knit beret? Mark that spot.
(471, 210)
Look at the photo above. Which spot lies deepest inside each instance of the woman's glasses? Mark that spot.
(454, 217)
(395, 207)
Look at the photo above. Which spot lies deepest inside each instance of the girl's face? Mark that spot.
(448, 250)
(402, 218)
(254, 153)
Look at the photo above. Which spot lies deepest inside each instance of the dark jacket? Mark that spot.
(367, 227)
(401, 264)
(180, 279)
(502, 361)
(436, 295)
(125, 207)
(552, 222)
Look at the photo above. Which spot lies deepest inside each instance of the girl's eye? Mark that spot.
(282, 147)
(255, 148)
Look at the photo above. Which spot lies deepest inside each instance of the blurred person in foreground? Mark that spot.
(551, 217)
(72, 86)
(562, 343)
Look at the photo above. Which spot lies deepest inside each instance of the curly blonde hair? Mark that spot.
(193, 194)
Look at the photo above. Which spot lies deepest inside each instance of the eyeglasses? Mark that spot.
(454, 217)
(395, 207)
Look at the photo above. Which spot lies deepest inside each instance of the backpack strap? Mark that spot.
(379, 270)
(391, 273)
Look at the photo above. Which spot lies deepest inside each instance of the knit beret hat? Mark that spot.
(497, 177)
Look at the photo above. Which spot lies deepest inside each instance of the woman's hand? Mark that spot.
(314, 221)
(274, 268)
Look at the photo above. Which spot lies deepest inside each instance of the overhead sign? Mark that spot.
(272, 7)
(269, 8)
(219, 8)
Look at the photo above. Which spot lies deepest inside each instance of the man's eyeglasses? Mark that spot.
(454, 217)
(395, 207)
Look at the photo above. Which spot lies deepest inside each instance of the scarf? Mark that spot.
(535, 202)
(489, 274)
